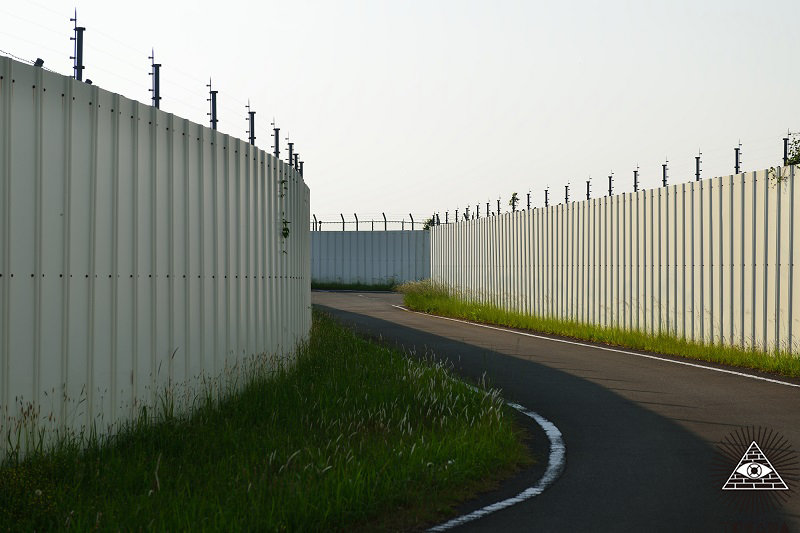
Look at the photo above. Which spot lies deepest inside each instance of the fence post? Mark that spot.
(78, 57)
(412, 221)
(384, 222)
(156, 73)
(341, 215)
(212, 98)
(356, 217)
(372, 224)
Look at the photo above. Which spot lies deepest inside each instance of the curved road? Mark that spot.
(641, 433)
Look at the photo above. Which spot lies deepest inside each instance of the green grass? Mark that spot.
(354, 435)
(333, 286)
(429, 297)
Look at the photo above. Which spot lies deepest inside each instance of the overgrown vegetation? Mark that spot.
(429, 297)
(354, 435)
(366, 287)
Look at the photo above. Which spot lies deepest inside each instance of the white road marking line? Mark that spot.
(555, 465)
(646, 356)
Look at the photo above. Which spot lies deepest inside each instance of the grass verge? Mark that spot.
(429, 297)
(332, 286)
(354, 435)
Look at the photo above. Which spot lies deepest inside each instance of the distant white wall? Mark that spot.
(370, 256)
(715, 260)
(138, 252)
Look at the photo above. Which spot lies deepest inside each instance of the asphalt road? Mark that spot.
(641, 434)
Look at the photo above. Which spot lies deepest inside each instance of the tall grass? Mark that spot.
(353, 434)
(429, 297)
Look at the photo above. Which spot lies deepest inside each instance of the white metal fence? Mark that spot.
(138, 251)
(370, 257)
(712, 261)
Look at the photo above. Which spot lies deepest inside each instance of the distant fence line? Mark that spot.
(140, 255)
(711, 260)
(368, 257)
(369, 223)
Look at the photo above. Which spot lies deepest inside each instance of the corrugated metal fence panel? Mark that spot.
(370, 257)
(711, 261)
(139, 252)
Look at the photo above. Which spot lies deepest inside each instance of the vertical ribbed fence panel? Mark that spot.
(710, 261)
(370, 257)
(141, 256)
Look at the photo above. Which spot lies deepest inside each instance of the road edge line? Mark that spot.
(606, 348)
(556, 462)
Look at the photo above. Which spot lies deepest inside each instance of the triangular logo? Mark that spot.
(754, 472)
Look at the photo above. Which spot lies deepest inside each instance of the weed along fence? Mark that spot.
(142, 256)
(711, 260)
(369, 257)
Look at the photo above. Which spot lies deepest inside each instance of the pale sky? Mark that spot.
(421, 106)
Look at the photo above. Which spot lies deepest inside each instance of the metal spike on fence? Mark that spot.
(786, 149)
(251, 120)
(488, 211)
(529, 200)
(212, 99)
(276, 135)
(341, 215)
(156, 74)
(697, 165)
(611, 183)
(566, 193)
(356, 217)
(78, 57)
(636, 179)
(546, 199)
(664, 173)
(477, 210)
(385, 226)
(737, 154)
(412, 221)
(315, 221)
(588, 189)
(498, 206)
